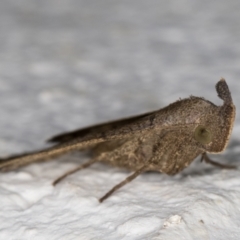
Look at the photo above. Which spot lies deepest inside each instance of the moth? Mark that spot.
(166, 140)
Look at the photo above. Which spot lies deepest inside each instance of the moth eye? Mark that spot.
(203, 135)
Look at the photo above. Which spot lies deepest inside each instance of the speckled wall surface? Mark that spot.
(69, 64)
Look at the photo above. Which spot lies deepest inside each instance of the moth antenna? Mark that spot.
(223, 92)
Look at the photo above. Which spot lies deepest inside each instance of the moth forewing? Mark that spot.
(83, 132)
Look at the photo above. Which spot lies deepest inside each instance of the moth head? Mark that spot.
(216, 124)
(203, 135)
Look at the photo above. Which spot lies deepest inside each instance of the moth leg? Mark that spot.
(208, 160)
(124, 182)
(100, 157)
(85, 165)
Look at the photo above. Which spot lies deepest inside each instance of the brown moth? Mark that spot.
(166, 140)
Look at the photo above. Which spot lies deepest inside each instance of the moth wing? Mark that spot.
(90, 137)
(174, 150)
(80, 133)
(84, 139)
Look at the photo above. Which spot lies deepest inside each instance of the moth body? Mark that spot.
(166, 140)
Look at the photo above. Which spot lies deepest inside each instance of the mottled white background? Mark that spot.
(69, 64)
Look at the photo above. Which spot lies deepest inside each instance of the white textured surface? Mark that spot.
(68, 64)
